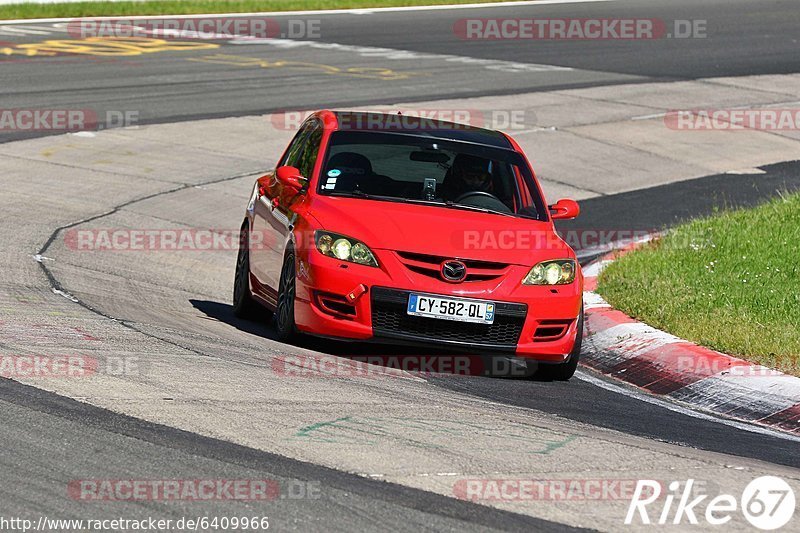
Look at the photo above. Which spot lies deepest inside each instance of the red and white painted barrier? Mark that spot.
(664, 364)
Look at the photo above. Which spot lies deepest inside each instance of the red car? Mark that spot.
(406, 230)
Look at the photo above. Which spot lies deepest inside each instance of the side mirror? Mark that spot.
(564, 209)
(290, 177)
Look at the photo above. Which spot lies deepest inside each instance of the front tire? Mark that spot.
(243, 304)
(284, 311)
(564, 371)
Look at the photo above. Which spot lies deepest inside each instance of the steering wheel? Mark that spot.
(484, 199)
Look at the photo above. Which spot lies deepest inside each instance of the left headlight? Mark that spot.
(344, 248)
(557, 272)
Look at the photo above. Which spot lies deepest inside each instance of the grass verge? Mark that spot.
(730, 282)
(188, 7)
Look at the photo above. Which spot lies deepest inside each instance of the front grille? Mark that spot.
(390, 319)
(428, 265)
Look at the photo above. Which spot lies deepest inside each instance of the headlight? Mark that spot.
(344, 248)
(558, 272)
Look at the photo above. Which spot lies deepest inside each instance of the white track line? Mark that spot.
(399, 54)
(357, 11)
(674, 407)
(24, 31)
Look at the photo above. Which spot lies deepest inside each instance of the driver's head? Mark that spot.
(473, 172)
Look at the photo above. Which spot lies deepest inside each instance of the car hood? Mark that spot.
(440, 231)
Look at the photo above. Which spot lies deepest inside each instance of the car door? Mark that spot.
(273, 217)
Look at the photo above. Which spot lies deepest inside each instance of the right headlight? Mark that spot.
(556, 272)
(344, 248)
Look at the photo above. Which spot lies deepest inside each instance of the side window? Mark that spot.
(311, 148)
(295, 150)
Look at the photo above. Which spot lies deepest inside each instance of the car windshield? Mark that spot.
(417, 169)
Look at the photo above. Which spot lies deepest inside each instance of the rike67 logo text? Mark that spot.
(767, 503)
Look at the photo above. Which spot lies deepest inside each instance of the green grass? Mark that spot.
(730, 282)
(186, 7)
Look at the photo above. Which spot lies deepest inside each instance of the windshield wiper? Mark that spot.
(454, 205)
(466, 207)
(357, 193)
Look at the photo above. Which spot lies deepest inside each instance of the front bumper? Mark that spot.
(522, 313)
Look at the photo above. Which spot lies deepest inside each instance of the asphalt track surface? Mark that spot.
(55, 438)
(742, 37)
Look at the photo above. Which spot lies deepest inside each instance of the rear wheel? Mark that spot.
(284, 312)
(564, 371)
(243, 304)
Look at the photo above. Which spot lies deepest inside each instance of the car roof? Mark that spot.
(421, 126)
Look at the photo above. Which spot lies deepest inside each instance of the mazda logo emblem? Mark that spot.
(453, 271)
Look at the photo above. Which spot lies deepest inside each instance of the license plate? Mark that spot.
(451, 308)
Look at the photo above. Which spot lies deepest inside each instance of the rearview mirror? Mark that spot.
(291, 177)
(564, 209)
(429, 157)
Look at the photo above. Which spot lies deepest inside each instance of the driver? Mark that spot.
(469, 173)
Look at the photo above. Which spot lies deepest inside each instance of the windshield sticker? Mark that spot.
(335, 173)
